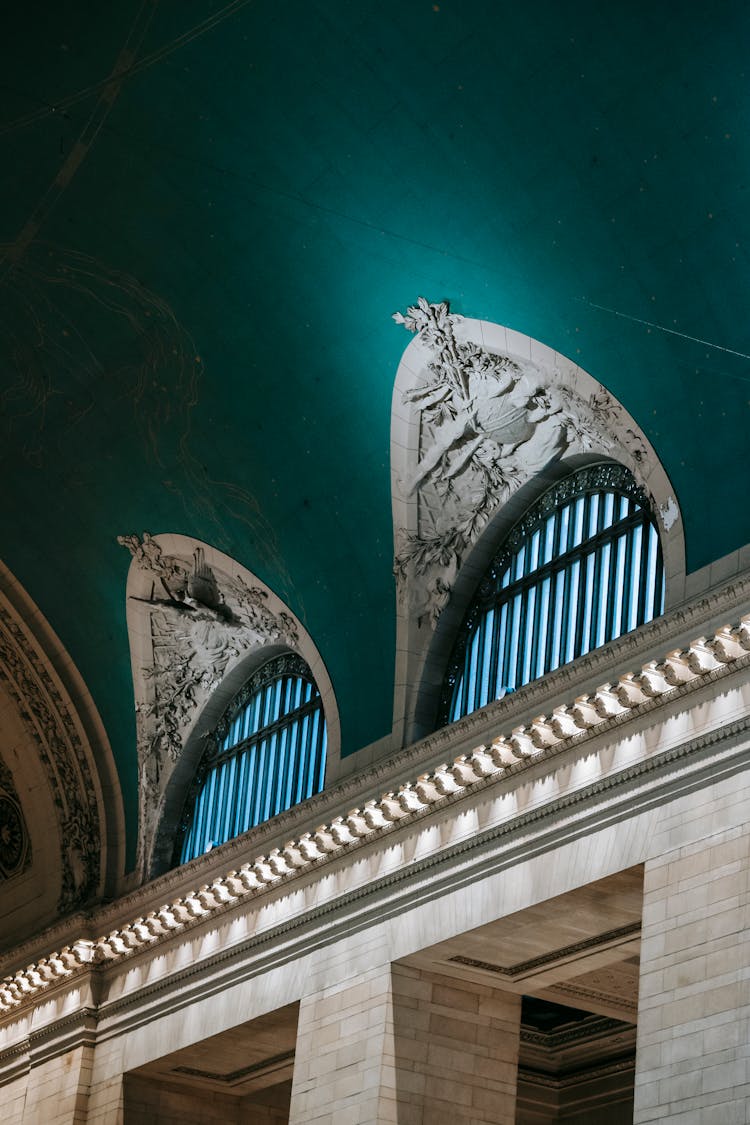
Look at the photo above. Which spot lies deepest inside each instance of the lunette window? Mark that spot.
(581, 567)
(267, 753)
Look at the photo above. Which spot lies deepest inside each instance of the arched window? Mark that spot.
(266, 754)
(582, 566)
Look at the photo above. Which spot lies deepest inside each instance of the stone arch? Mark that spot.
(199, 623)
(484, 419)
(58, 768)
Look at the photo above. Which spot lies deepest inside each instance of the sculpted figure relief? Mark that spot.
(487, 423)
(200, 619)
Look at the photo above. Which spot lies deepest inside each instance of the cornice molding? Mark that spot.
(201, 980)
(680, 673)
(587, 1030)
(565, 682)
(523, 968)
(565, 1081)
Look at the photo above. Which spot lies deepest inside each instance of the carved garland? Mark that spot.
(50, 724)
(679, 671)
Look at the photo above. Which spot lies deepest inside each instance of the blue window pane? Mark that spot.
(582, 567)
(267, 753)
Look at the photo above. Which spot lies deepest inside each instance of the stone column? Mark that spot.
(406, 1046)
(57, 1092)
(694, 1006)
(456, 1050)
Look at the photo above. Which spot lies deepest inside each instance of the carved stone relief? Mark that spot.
(487, 422)
(50, 722)
(15, 847)
(478, 412)
(199, 619)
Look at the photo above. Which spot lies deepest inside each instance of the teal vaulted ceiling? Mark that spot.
(200, 262)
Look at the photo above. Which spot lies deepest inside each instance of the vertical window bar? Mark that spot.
(471, 679)
(592, 525)
(312, 752)
(532, 563)
(495, 652)
(231, 798)
(543, 630)
(499, 674)
(239, 794)
(299, 775)
(271, 774)
(571, 610)
(550, 537)
(634, 589)
(260, 791)
(642, 578)
(555, 633)
(653, 585)
(478, 663)
(577, 524)
(525, 640)
(322, 750)
(518, 563)
(618, 580)
(563, 523)
(282, 771)
(293, 763)
(208, 831)
(608, 513)
(252, 781)
(488, 634)
(512, 644)
(602, 593)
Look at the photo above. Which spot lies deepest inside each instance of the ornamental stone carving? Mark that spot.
(15, 847)
(487, 422)
(479, 770)
(55, 731)
(190, 620)
(479, 411)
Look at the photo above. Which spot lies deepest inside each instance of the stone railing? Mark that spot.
(679, 670)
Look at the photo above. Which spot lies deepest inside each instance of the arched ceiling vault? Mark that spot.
(209, 213)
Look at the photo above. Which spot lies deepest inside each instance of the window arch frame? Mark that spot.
(423, 645)
(274, 668)
(600, 476)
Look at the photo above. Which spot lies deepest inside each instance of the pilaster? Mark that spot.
(693, 1046)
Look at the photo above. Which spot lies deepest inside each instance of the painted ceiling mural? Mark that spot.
(209, 213)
